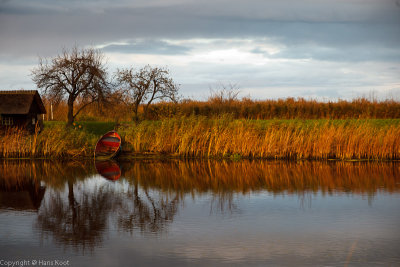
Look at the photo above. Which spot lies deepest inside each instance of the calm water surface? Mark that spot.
(168, 213)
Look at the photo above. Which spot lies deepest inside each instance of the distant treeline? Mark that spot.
(289, 108)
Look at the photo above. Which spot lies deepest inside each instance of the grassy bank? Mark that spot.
(280, 139)
(55, 141)
(198, 136)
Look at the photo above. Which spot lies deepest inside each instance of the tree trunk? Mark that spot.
(151, 100)
(70, 111)
(146, 110)
(135, 112)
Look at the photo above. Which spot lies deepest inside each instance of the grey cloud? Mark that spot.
(206, 17)
(287, 10)
(350, 54)
(347, 31)
(47, 34)
(147, 47)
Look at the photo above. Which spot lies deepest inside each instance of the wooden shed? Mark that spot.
(21, 109)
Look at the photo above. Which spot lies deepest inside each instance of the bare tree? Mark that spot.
(72, 75)
(146, 85)
(224, 93)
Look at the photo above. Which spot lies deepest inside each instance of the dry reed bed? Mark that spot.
(289, 108)
(52, 142)
(202, 137)
(198, 136)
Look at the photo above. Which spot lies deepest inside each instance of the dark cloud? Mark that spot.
(341, 31)
(45, 23)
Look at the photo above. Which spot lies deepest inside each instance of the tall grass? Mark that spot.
(54, 141)
(289, 108)
(199, 136)
(246, 108)
(294, 139)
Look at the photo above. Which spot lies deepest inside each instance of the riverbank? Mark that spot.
(197, 136)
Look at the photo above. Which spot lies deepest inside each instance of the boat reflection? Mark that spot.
(108, 169)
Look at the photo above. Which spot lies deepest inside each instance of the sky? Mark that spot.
(269, 49)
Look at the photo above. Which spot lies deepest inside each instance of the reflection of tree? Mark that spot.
(222, 203)
(145, 212)
(80, 221)
(80, 218)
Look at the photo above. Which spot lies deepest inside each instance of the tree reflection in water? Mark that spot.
(79, 206)
(148, 213)
(81, 221)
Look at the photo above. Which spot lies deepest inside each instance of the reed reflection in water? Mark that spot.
(78, 210)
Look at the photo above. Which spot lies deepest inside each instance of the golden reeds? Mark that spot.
(289, 108)
(224, 136)
(56, 141)
(246, 108)
(198, 136)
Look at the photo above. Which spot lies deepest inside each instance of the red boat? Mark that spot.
(108, 169)
(108, 146)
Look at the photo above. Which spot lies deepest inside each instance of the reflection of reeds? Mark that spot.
(199, 136)
(220, 177)
(54, 173)
(246, 176)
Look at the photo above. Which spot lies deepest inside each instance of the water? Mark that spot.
(216, 213)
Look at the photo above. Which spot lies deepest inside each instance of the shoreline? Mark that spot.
(218, 138)
(128, 156)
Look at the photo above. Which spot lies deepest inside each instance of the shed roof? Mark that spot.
(20, 102)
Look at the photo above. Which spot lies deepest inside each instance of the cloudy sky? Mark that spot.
(321, 49)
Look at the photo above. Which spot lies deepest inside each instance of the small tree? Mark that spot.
(146, 85)
(78, 74)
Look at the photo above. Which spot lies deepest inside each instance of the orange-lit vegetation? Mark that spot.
(224, 126)
(245, 108)
(275, 139)
(55, 141)
(198, 136)
(289, 108)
